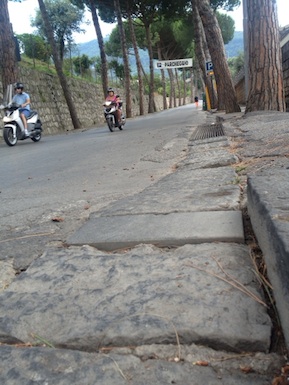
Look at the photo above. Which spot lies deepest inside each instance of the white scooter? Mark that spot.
(13, 126)
(110, 115)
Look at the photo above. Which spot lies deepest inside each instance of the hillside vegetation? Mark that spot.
(91, 49)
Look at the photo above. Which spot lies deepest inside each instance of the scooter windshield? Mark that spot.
(8, 94)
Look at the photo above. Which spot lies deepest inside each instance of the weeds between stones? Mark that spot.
(230, 280)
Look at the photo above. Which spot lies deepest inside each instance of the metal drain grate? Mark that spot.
(206, 132)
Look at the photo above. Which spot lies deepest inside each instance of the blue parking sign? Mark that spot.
(209, 66)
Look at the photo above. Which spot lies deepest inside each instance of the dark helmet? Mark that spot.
(19, 85)
(110, 90)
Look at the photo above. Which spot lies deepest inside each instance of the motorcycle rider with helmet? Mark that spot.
(111, 97)
(23, 99)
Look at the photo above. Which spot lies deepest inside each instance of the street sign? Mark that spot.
(178, 63)
(209, 66)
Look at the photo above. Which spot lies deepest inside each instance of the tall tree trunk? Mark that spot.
(138, 62)
(104, 66)
(144, 74)
(201, 50)
(265, 76)
(192, 85)
(178, 87)
(8, 60)
(61, 50)
(226, 92)
(163, 77)
(58, 67)
(165, 101)
(184, 86)
(125, 58)
(172, 98)
(151, 79)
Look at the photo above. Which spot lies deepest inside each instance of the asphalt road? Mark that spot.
(51, 187)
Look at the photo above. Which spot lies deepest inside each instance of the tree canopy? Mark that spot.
(65, 19)
(34, 46)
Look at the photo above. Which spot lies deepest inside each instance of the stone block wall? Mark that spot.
(48, 99)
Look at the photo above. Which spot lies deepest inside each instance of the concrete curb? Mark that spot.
(270, 220)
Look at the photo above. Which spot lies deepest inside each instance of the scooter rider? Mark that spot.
(114, 98)
(23, 99)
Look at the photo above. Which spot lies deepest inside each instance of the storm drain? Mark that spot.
(208, 131)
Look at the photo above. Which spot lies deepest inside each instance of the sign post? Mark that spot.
(169, 64)
(210, 72)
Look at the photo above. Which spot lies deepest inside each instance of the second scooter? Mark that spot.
(110, 108)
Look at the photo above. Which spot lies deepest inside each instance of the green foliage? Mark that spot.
(34, 46)
(118, 69)
(158, 83)
(113, 45)
(106, 11)
(65, 18)
(227, 5)
(236, 45)
(97, 65)
(81, 64)
(175, 37)
(236, 63)
(37, 65)
(140, 34)
(227, 26)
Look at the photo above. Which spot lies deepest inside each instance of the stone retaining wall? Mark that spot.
(48, 99)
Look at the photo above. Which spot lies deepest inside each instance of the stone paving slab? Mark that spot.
(82, 298)
(264, 133)
(174, 229)
(185, 190)
(268, 206)
(143, 365)
(209, 154)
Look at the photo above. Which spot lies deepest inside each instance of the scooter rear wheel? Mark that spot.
(8, 136)
(36, 138)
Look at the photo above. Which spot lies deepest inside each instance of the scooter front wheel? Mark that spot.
(9, 137)
(110, 124)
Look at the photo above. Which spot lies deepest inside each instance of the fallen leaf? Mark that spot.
(57, 219)
(285, 369)
(284, 378)
(246, 369)
(201, 363)
(280, 381)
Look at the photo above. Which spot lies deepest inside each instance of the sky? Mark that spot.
(20, 14)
